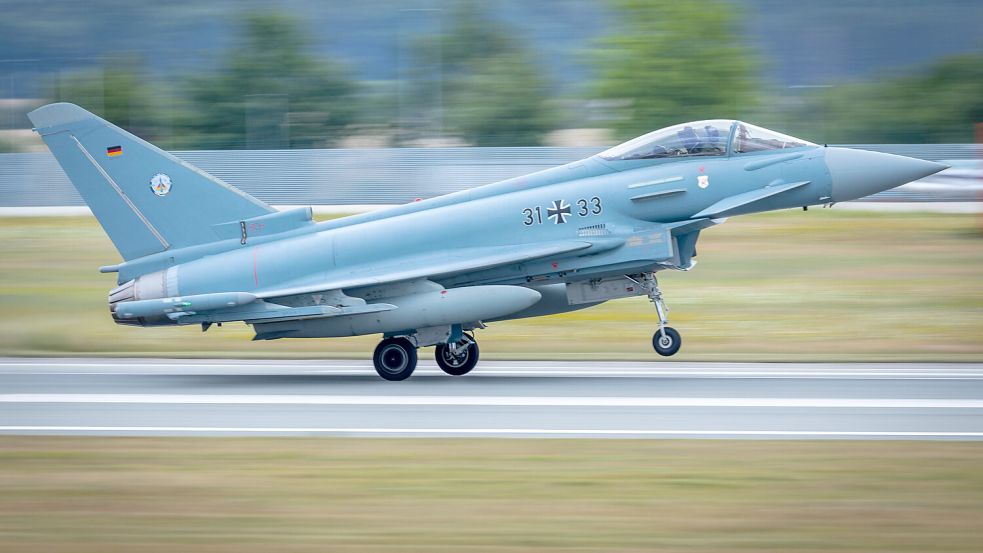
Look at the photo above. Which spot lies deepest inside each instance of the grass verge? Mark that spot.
(366, 495)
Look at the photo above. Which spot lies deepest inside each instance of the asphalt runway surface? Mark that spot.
(157, 397)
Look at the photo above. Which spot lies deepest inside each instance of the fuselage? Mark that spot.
(592, 200)
(638, 211)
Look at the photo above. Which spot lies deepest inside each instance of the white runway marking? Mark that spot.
(864, 371)
(492, 431)
(633, 399)
(497, 401)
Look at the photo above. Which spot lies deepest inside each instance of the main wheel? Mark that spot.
(395, 358)
(460, 364)
(666, 344)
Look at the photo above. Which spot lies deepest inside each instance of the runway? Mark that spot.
(155, 397)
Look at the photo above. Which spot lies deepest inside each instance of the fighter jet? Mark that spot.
(197, 251)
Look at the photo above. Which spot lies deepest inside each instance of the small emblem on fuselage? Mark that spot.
(703, 181)
(160, 184)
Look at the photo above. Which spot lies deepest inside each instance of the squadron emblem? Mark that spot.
(160, 184)
(703, 181)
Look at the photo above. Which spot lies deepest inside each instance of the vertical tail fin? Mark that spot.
(146, 200)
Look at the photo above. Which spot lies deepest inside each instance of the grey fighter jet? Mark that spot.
(197, 251)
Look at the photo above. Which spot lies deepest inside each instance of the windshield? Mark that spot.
(699, 138)
(750, 138)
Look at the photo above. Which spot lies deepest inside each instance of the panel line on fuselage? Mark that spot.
(658, 193)
(655, 182)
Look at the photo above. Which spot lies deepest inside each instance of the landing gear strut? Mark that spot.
(666, 340)
(459, 358)
(395, 358)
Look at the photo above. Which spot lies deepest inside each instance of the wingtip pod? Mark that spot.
(59, 114)
(170, 309)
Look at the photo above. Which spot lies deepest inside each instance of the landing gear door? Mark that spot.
(684, 250)
(603, 289)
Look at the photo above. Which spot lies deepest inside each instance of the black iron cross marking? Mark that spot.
(559, 212)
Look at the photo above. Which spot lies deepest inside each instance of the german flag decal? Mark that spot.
(114, 151)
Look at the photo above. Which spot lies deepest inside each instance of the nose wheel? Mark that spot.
(395, 358)
(457, 359)
(666, 340)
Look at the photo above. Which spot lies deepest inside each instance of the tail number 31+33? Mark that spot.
(560, 211)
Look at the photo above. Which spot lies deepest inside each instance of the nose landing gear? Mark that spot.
(666, 340)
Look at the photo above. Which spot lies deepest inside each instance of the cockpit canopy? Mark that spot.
(702, 138)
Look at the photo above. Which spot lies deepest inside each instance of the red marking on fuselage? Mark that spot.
(255, 271)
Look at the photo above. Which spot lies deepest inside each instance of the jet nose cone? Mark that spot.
(859, 173)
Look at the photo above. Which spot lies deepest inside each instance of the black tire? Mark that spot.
(460, 366)
(394, 359)
(666, 345)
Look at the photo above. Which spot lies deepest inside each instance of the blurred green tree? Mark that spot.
(117, 91)
(938, 103)
(478, 80)
(670, 62)
(270, 92)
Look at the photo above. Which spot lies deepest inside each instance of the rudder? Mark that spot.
(146, 199)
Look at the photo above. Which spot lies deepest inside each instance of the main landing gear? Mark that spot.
(458, 359)
(666, 340)
(395, 358)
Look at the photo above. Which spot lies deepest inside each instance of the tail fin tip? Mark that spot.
(58, 114)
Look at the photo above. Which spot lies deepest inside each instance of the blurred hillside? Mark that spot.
(807, 42)
(302, 74)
